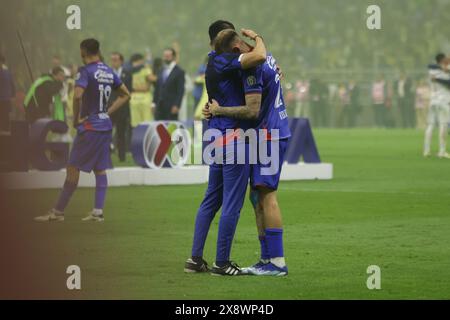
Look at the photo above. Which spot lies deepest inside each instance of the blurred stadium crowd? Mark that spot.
(338, 73)
(397, 102)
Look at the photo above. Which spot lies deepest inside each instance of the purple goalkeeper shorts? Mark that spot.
(268, 175)
(90, 151)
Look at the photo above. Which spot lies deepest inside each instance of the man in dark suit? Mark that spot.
(121, 118)
(169, 88)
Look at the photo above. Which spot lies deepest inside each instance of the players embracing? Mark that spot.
(439, 110)
(260, 108)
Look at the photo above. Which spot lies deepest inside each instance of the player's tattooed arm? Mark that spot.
(77, 95)
(123, 97)
(249, 111)
(259, 53)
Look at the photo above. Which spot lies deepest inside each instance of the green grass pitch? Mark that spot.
(386, 206)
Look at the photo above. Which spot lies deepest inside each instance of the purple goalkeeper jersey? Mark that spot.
(98, 81)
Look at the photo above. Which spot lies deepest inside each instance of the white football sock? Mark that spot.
(279, 262)
(97, 212)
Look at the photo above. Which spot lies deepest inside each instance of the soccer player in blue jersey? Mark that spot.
(263, 83)
(90, 151)
(228, 181)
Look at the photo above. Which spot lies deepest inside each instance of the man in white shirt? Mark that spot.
(439, 110)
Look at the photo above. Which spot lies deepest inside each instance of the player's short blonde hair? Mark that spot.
(225, 40)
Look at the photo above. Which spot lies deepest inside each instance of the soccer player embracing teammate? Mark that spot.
(91, 148)
(439, 111)
(262, 109)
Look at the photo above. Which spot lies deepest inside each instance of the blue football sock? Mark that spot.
(65, 195)
(101, 184)
(274, 240)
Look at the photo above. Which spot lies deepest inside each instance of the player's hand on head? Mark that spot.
(249, 33)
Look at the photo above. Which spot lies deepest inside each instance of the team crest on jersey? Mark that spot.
(251, 81)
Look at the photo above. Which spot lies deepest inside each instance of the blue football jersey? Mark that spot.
(224, 84)
(98, 80)
(266, 80)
